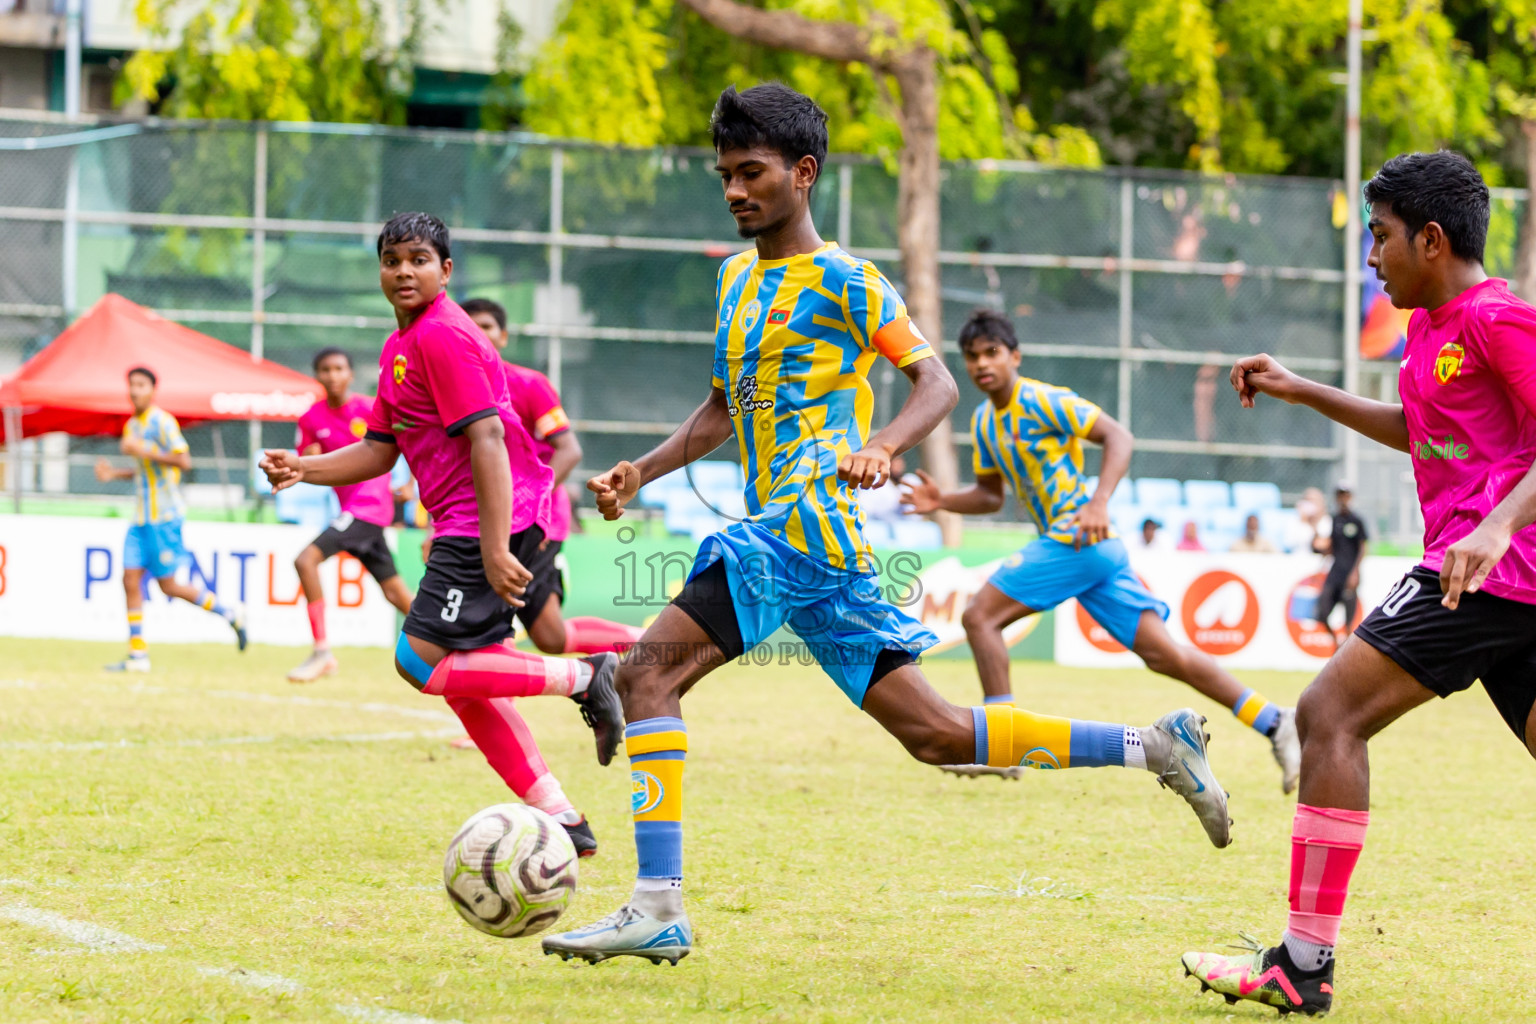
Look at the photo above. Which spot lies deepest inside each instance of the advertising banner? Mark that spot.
(1245, 610)
(61, 577)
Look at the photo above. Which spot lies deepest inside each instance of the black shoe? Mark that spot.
(601, 708)
(582, 838)
(1264, 975)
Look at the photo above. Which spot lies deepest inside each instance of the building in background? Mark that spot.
(457, 61)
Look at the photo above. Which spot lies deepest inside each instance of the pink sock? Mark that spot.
(588, 634)
(316, 611)
(1325, 844)
(499, 671)
(548, 797)
(503, 737)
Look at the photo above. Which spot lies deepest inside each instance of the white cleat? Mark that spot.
(128, 665)
(1287, 749)
(320, 663)
(1188, 773)
(628, 931)
(976, 771)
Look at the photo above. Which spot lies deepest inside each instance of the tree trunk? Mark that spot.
(1525, 263)
(917, 235)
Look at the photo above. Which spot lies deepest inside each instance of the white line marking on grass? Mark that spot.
(17, 684)
(379, 1015)
(226, 741)
(93, 937)
(254, 979)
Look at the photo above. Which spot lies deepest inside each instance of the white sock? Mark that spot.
(1309, 956)
(1135, 753)
(661, 898)
(569, 817)
(583, 677)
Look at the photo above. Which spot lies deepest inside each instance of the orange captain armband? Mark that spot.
(551, 423)
(901, 342)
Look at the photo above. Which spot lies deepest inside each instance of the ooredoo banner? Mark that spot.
(61, 577)
(1245, 610)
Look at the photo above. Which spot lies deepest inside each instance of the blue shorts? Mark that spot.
(1048, 572)
(155, 548)
(843, 617)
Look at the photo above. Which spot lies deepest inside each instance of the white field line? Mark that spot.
(97, 939)
(254, 979)
(226, 741)
(379, 1015)
(93, 937)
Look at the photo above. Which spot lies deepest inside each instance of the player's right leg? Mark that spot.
(935, 731)
(133, 594)
(691, 637)
(321, 662)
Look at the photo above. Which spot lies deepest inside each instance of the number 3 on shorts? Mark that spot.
(450, 612)
(1401, 593)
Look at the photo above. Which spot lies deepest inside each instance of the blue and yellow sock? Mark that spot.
(656, 749)
(137, 648)
(997, 698)
(1007, 736)
(1253, 710)
(208, 601)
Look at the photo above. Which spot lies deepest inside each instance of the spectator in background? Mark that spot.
(1311, 522)
(1252, 540)
(1346, 543)
(1191, 539)
(1151, 537)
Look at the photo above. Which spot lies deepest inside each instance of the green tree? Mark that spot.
(273, 60)
(1246, 85)
(1511, 57)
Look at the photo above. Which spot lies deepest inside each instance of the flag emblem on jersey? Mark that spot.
(399, 369)
(358, 426)
(1448, 362)
(778, 316)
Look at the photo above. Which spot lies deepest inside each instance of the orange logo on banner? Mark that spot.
(1300, 607)
(1220, 612)
(1096, 634)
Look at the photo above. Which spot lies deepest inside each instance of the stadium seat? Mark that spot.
(715, 475)
(1231, 521)
(1275, 523)
(654, 494)
(1128, 518)
(1124, 492)
(683, 508)
(1158, 492)
(917, 535)
(1255, 496)
(879, 533)
(1207, 493)
(309, 505)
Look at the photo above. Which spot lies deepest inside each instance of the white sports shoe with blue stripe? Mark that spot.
(628, 931)
(1188, 773)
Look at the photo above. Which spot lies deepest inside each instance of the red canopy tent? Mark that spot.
(78, 384)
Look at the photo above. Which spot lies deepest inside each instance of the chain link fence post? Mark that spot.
(1127, 251)
(556, 261)
(258, 293)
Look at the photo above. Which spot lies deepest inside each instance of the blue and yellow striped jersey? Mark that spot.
(156, 488)
(793, 346)
(1036, 442)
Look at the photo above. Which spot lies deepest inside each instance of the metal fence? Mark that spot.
(1135, 288)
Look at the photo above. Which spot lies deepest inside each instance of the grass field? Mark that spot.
(211, 843)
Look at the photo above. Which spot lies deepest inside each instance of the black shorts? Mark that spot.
(706, 599)
(548, 581)
(1487, 638)
(455, 606)
(363, 541)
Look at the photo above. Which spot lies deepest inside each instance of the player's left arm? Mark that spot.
(1353, 579)
(566, 455)
(1092, 520)
(1511, 343)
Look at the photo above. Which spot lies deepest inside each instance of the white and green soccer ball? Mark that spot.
(510, 870)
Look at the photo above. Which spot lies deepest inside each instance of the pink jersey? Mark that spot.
(437, 377)
(371, 501)
(538, 406)
(1468, 384)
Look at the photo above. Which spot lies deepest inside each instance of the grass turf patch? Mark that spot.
(283, 845)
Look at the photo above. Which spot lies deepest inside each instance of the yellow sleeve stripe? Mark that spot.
(551, 422)
(656, 741)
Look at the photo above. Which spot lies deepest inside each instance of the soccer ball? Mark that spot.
(510, 871)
